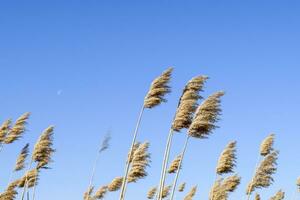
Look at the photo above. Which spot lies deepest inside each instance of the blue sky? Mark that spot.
(85, 67)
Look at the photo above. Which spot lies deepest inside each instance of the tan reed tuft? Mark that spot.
(158, 89)
(43, 150)
(134, 148)
(151, 193)
(140, 160)
(11, 191)
(29, 179)
(223, 187)
(266, 146)
(4, 129)
(188, 103)
(257, 196)
(88, 193)
(20, 163)
(227, 160)
(206, 116)
(115, 184)
(191, 193)
(166, 191)
(17, 129)
(298, 184)
(278, 196)
(100, 193)
(263, 175)
(174, 165)
(181, 187)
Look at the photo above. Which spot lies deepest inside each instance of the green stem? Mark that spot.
(124, 182)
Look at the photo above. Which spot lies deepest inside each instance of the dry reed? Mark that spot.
(17, 129)
(11, 191)
(30, 179)
(223, 187)
(115, 184)
(266, 146)
(263, 175)
(227, 160)
(166, 191)
(88, 193)
(257, 196)
(4, 129)
(100, 193)
(151, 193)
(20, 163)
(181, 187)
(174, 165)
(191, 193)
(278, 196)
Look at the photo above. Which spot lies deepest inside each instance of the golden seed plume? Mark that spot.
(278, 196)
(4, 129)
(141, 159)
(222, 187)
(20, 163)
(227, 160)
(30, 178)
(115, 184)
(266, 146)
(151, 193)
(191, 193)
(174, 165)
(105, 143)
(11, 192)
(43, 150)
(135, 147)
(257, 196)
(17, 129)
(298, 184)
(263, 175)
(207, 114)
(166, 191)
(158, 89)
(188, 103)
(181, 187)
(100, 193)
(88, 193)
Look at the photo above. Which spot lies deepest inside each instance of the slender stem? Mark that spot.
(25, 185)
(124, 182)
(165, 164)
(34, 188)
(179, 167)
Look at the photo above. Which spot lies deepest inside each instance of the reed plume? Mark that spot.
(191, 193)
(140, 160)
(278, 196)
(20, 163)
(17, 129)
(132, 152)
(263, 175)
(298, 184)
(104, 146)
(222, 187)
(227, 160)
(181, 187)
(174, 165)
(183, 118)
(4, 129)
(88, 193)
(29, 180)
(267, 145)
(151, 193)
(166, 191)
(158, 89)
(257, 196)
(100, 193)
(204, 122)
(115, 184)
(11, 191)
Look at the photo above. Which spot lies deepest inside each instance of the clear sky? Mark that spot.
(85, 67)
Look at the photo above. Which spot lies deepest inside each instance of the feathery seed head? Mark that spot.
(278, 196)
(181, 187)
(30, 178)
(20, 163)
(266, 146)
(298, 184)
(10, 193)
(191, 193)
(115, 184)
(166, 191)
(257, 196)
(134, 148)
(188, 103)
(222, 187)
(87, 194)
(227, 160)
(174, 165)
(17, 129)
(105, 143)
(207, 114)
(100, 193)
(4, 129)
(151, 193)
(158, 89)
